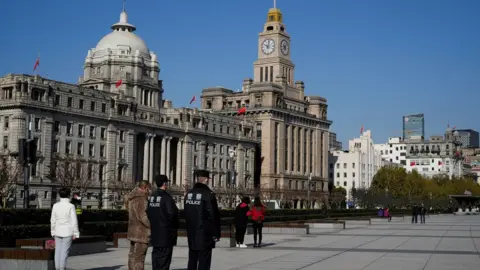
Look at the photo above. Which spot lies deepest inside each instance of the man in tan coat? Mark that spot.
(138, 226)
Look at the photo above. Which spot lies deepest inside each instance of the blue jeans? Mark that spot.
(62, 247)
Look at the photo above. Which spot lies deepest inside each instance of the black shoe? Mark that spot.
(255, 245)
(259, 245)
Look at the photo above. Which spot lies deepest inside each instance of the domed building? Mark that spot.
(114, 128)
(122, 63)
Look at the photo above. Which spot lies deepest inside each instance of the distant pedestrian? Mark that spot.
(202, 218)
(77, 202)
(163, 215)
(241, 221)
(386, 213)
(422, 211)
(415, 214)
(64, 228)
(258, 216)
(138, 226)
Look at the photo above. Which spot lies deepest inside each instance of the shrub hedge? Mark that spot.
(35, 223)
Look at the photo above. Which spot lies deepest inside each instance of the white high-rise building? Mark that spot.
(395, 151)
(355, 167)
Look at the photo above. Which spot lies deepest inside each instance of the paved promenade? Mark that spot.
(445, 242)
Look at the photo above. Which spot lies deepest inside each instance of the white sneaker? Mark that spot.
(238, 245)
(243, 246)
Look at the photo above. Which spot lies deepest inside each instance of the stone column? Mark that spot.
(202, 154)
(302, 151)
(130, 155)
(146, 153)
(325, 150)
(315, 154)
(163, 155)
(187, 161)
(47, 145)
(167, 167)
(281, 149)
(308, 150)
(152, 159)
(111, 169)
(178, 176)
(318, 150)
(289, 147)
(239, 164)
(295, 149)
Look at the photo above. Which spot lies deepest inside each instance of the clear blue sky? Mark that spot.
(374, 60)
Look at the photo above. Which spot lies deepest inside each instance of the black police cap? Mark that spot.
(160, 179)
(203, 173)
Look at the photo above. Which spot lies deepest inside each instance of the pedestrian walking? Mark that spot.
(386, 213)
(138, 226)
(202, 218)
(258, 216)
(422, 212)
(415, 214)
(77, 202)
(163, 215)
(241, 221)
(64, 228)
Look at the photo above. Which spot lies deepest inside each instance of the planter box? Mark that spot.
(26, 259)
(226, 240)
(81, 246)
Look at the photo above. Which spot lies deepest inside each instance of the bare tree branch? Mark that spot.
(10, 171)
(74, 174)
(121, 189)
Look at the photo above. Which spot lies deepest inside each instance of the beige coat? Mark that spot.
(138, 224)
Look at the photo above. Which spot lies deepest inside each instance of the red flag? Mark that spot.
(119, 82)
(194, 98)
(454, 127)
(37, 63)
(242, 110)
(361, 130)
(412, 163)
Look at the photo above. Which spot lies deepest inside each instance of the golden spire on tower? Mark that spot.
(274, 14)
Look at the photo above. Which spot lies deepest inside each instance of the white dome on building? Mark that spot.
(123, 38)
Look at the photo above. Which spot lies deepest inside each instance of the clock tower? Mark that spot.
(274, 51)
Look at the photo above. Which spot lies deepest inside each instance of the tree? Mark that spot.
(10, 171)
(74, 174)
(337, 197)
(120, 191)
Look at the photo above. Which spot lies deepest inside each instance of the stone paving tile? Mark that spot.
(445, 242)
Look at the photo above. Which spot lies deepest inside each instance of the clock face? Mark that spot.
(268, 46)
(284, 47)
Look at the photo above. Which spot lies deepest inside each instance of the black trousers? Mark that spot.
(257, 232)
(422, 218)
(161, 258)
(199, 259)
(240, 234)
(415, 218)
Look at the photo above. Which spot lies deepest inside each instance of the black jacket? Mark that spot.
(202, 217)
(163, 215)
(241, 218)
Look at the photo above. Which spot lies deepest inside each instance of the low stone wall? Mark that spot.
(226, 240)
(282, 228)
(81, 246)
(26, 259)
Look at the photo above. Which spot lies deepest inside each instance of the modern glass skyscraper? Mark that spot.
(413, 125)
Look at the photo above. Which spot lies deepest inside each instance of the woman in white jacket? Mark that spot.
(64, 228)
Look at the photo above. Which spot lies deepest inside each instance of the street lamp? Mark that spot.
(231, 154)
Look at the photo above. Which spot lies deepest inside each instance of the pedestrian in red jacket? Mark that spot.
(258, 216)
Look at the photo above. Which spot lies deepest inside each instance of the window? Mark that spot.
(353, 165)
(92, 132)
(104, 108)
(56, 147)
(68, 147)
(80, 149)
(80, 104)
(90, 171)
(101, 169)
(258, 128)
(92, 106)
(81, 130)
(57, 100)
(344, 174)
(37, 122)
(91, 150)
(122, 135)
(102, 150)
(69, 102)
(353, 174)
(344, 165)
(5, 142)
(69, 128)
(6, 122)
(344, 183)
(103, 133)
(56, 127)
(121, 153)
(338, 174)
(338, 165)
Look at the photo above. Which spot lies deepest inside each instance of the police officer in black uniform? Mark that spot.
(163, 215)
(203, 222)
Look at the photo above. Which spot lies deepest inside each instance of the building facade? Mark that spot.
(355, 167)
(469, 138)
(414, 126)
(438, 155)
(394, 151)
(116, 128)
(334, 144)
(293, 128)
